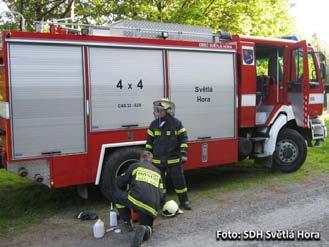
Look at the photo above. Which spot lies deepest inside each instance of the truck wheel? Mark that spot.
(115, 165)
(290, 152)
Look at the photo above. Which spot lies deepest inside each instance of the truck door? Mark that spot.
(316, 88)
(47, 100)
(296, 79)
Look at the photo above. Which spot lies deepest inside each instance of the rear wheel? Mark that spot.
(115, 165)
(290, 151)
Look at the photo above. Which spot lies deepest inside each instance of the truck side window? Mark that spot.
(261, 66)
(297, 68)
(269, 61)
(2, 80)
(313, 78)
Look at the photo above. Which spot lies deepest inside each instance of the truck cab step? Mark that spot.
(258, 138)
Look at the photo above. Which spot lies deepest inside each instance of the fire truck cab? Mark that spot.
(75, 104)
(280, 87)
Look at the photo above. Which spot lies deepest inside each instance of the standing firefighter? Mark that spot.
(167, 140)
(144, 195)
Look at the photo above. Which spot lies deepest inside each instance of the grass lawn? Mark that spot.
(23, 202)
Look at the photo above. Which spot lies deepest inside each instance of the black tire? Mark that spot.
(242, 157)
(116, 164)
(244, 148)
(290, 151)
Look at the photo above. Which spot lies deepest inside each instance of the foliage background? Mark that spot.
(251, 17)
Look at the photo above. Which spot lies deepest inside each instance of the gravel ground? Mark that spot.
(294, 207)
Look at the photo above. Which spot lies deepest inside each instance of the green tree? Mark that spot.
(42, 10)
(251, 17)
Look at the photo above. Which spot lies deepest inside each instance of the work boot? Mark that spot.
(139, 236)
(127, 226)
(148, 233)
(186, 205)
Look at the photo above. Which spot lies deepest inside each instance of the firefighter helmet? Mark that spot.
(171, 209)
(163, 104)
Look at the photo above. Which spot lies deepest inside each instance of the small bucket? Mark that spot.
(134, 215)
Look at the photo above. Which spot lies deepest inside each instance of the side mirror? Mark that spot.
(323, 65)
(323, 71)
(322, 57)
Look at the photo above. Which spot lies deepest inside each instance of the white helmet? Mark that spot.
(163, 104)
(171, 209)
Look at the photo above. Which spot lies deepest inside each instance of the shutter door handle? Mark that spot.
(204, 137)
(129, 125)
(52, 152)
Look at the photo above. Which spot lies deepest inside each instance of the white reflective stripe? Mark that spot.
(247, 47)
(316, 98)
(248, 100)
(269, 145)
(87, 107)
(112, 145)
(287, 109)
(4, 109)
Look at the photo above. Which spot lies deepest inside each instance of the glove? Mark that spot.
(184, 157)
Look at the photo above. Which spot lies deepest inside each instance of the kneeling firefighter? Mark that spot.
(145, 195)
(167, 140)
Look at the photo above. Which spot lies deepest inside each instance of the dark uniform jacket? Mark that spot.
(145, 187)
(167, 140)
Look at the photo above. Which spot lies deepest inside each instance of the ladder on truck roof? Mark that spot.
(143, 29)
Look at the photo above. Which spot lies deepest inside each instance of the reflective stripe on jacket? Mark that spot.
(145, 187)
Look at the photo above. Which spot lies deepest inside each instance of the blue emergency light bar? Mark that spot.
(292, 37)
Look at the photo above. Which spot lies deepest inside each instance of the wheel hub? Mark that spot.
(124, 166)
(287, 150)
(287, 153)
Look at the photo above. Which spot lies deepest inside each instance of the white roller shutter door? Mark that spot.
(124, 82)
(47, 99)
(202, 84)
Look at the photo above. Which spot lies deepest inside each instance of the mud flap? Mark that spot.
(265, 161)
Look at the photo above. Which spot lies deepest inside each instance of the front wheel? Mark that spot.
(290, 151)
(115, 165)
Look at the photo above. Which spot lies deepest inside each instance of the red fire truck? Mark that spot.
(75, 104)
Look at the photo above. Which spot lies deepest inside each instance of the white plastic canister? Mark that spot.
(113, 218)
(99, 229)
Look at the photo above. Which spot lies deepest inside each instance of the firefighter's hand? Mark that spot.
(184, 158)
